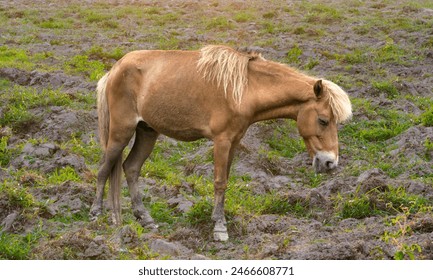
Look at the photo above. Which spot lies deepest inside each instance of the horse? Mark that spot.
(216, 92)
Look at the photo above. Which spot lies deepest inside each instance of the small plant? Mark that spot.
(161, 212)
(5, 152)
(52, 23)
(200, 213)
(293, 55)
(62, 175)
(396, 238)
(285, 140)
(428, 144)
(427, 117)
(243, 17)
(358, 207)
(219, 23)
(13, 247)
(386, 87)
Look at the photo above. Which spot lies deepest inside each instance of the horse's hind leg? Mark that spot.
(111, 167)
(111, 157)
(145, 138)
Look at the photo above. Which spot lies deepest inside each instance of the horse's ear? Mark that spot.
(318, 89)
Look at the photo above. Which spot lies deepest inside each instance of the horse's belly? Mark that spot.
(185, 125)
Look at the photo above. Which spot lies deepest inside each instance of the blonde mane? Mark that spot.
(227, 67)
(339, 101)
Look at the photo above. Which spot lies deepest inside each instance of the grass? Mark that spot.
(81, 64)
(11, 57)
(375, 202)
(20, 100)
(285, 140)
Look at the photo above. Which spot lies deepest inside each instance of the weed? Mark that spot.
(397, 238)
(361, 205)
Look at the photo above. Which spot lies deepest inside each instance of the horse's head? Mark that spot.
(317, 123)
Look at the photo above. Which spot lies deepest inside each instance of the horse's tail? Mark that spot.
(104, 129)
(103, 113)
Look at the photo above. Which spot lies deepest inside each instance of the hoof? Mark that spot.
(220, 236)
(94, 213)
(146, 221)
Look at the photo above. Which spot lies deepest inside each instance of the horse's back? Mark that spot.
(168, 93)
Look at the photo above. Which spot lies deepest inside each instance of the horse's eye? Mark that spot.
(323, 122)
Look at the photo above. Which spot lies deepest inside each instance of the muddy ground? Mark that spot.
(67, 232)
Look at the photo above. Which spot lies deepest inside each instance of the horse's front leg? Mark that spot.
(223, 156)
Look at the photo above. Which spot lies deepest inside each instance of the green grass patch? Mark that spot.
(162, 212)
(18, 247)
(427, 117)
(383, 124)
(18, 58)
(286, 141)
(200, 213)
(61, 175)
(293, 55)
(17, 196)
(386, 87)
(5, 152)
(90, 150)
(321, 13)
(97, 52)
(19, 100)
(82, 64)
(55, 23)
(218, 23)
(243, 16)
(376, 202)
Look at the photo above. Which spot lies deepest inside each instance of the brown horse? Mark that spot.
(214, 93)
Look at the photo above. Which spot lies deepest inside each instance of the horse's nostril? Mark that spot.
(329, 164)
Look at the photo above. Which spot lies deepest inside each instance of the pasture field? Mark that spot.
(376, 205)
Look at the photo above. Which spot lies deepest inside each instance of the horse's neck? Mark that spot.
(280, 94)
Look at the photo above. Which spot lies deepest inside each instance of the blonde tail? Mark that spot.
(103, 113)
(104, 129)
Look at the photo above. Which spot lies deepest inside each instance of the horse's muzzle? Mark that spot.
(324, 161)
